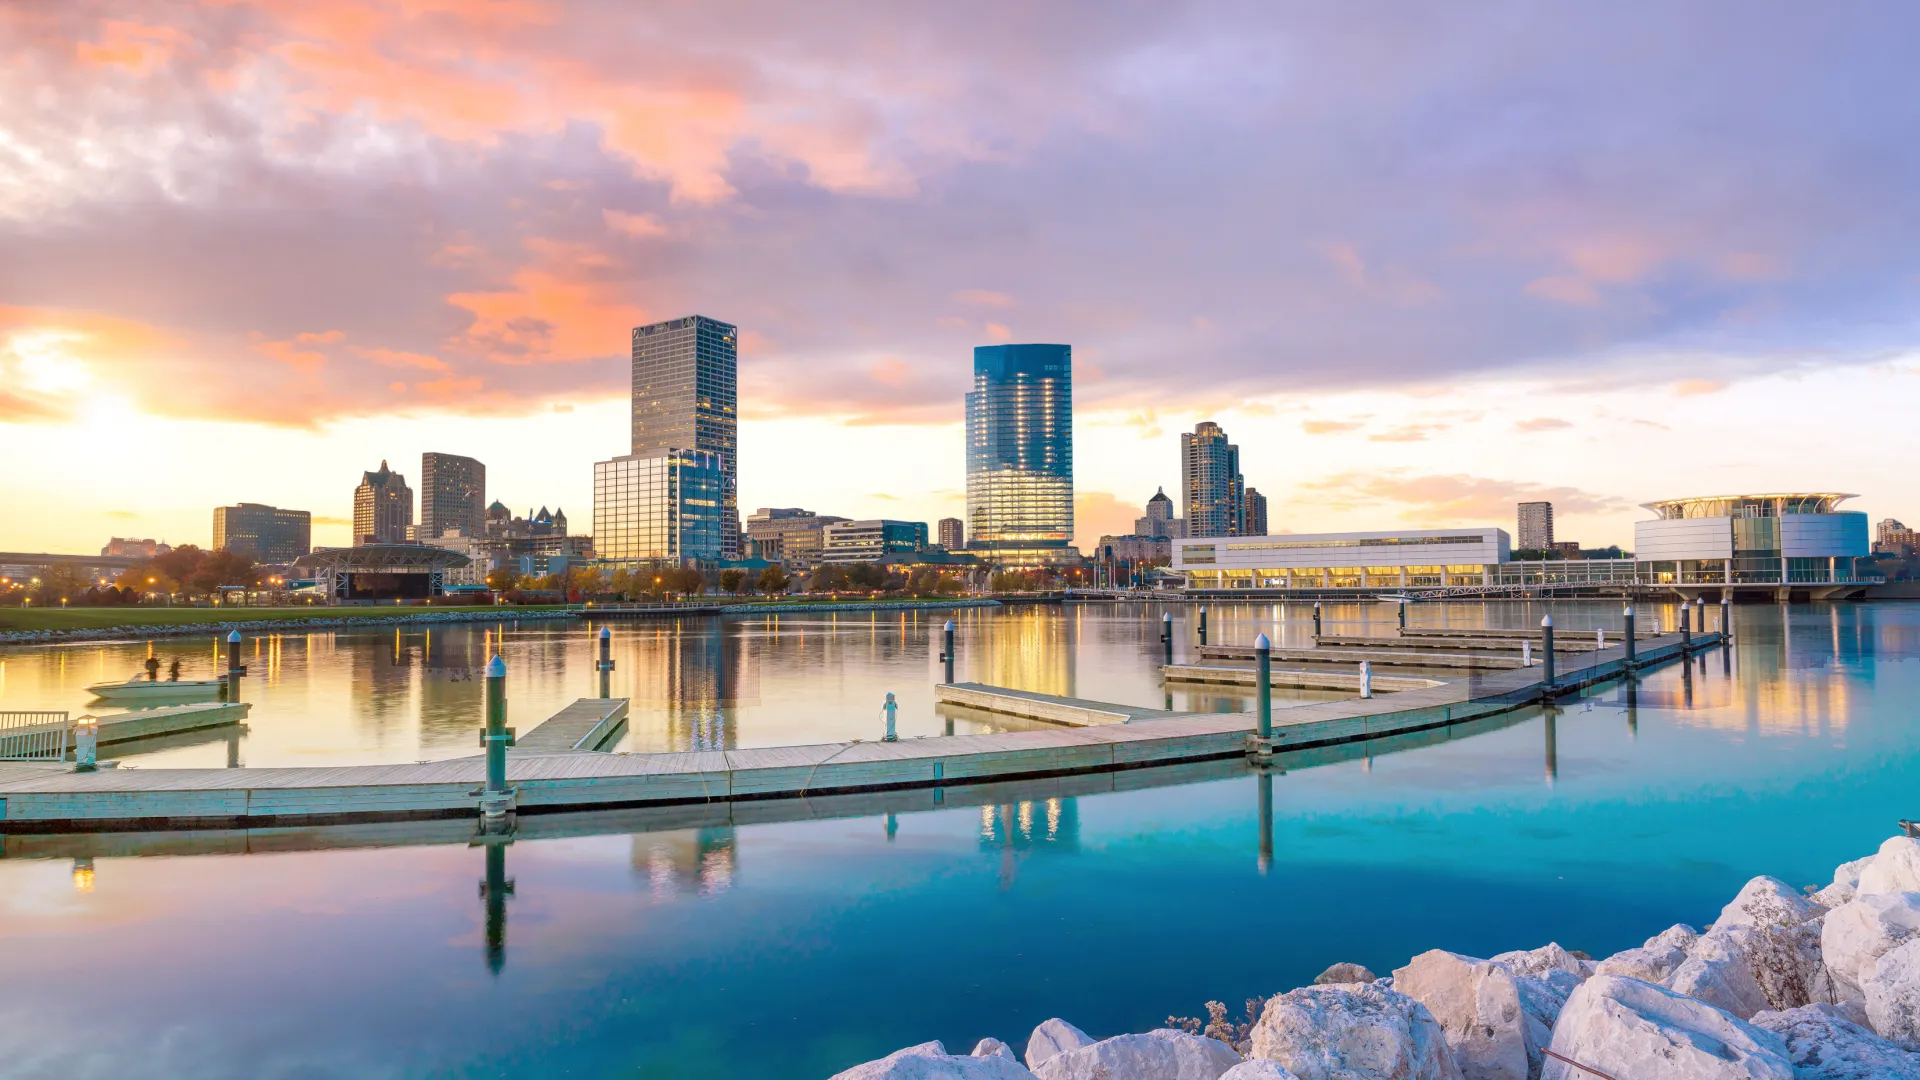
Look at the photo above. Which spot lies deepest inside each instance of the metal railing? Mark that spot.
(34, 736)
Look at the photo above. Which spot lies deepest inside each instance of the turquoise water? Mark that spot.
(795, 948)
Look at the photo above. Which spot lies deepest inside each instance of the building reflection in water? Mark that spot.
(700, 862)
(685, 681)
(1016, 829)
(1028, 650)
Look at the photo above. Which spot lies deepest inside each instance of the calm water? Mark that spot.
(672, 944)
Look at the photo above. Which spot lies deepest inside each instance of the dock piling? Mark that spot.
(1726, 617)
(1700, 614)
(1686, 632)
(1316, 618)
(1366, 679)
(1526, 654)
(946, 651)
(1403, 614)
(1265, 783)
(1166, 635)
(1546, 651)
(1626, 614)
(1203, 624)
(234, 668)
(1263, 684)
(891, 707)
(605, 666)
(496, 799)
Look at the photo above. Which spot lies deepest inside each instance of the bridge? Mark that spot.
(42, 558)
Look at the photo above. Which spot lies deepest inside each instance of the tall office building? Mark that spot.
(1160, 524)
(1255, 505)
(660, 506)
(1535, 532)
(686, 397)
(382, 508)
(953, 534)
(1210, 479)
(264, 534)
(1020, 454)
(453, 495)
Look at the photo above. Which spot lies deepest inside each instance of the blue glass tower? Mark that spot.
(1020, 454)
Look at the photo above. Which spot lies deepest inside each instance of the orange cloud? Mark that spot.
(1454, 498)
(1542, 423)
(133, 46)
(890, 370)
(998, 332)
(638, 225)
(983, 297)
(1328, 427)
(1101, 513)
(1698, 387)
(563, 307)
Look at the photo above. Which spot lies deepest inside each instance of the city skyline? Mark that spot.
(1581, 303)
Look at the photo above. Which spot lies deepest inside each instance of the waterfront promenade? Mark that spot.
(40, 798)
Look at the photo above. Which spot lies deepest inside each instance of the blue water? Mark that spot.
(793, 949)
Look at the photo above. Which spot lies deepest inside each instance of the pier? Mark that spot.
(586, 725)
(1066, 711)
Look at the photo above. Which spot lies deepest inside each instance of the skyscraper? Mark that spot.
(1210, 479)
(1255, 521)
(686, 398)
(382, 508)
(1020, 454)
(660, 506)
(953, 534)
(1535, 532)
(265, 534)
(453, 495)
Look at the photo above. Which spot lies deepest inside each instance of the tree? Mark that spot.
(503, 579)
(731, 579)
(686, 580)
(867, 575)
(774, 580)
(827, 577)
(223, 568)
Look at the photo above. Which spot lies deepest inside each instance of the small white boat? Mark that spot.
(139, 688)
(1397, 598)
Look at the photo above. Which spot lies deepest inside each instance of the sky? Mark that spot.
(1420, 262)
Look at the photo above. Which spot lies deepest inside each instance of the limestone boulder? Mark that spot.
(1633, 1030)
(1846, 882)
(1495, 1021)
(1344, 973)
(1053, 1037)
(991, 1047)
(1855, 935)
(1763, 952)
(1362, 1031)
(1549, 963)
(1767, 901)
(1163, 1054)
(1824, 1044)
(1894, 868)
(1893, 995)
(930, 1061)
(1655, 961)
(1259, 1070)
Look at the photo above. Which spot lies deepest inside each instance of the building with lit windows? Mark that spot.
(1786, 543)
(1389, 561)
(664, 506)
(453, 496)
(686, 397)
(1211, 482)
(1890, 537)
(1160, 523)
(382, 508)
(1535, 526)
(265, 534)
(1020, 455)
(866, 541)
(953, 534)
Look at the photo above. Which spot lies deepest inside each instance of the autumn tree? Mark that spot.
(731, 579)
(774, 580)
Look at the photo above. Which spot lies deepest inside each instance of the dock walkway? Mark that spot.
(1291, 679)
(1067, 711)
(588, 724)
(1377, 657)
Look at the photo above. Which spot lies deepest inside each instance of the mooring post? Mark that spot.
(1526, 654)
(1366, 679)
(606, 662)
(1599, 640)
(1546, 651)
(234, 668)
(1203, 624)
(891, 707)
(494, 890)
(86, 744)
(1726, 617)
(1686, 631)
(1166, 635)
(946, 651)
(1316, 618)
(1263, 683)
(1700, 614)
(1626, 615)
(1403, 614)
(496, 799)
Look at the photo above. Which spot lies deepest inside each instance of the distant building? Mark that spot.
(265, 534)
(788, 534)
(663, 505)
(1160, 522)
(1535, 527)
(1211, 481)
(1254, 523)
(382, 508)
(1567, 549)
(686, 399)
(1020, 454)
(502, 525)
(953, 534)
(453, 495)
(130, 548)
(1889, 538)
(1137, 551)
(1361, 560)
(866, 541)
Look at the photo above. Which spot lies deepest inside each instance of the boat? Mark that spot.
(1397, 598)
(140, 688)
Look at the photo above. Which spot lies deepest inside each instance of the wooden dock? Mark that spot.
(136, 725)
(589, 724)
(44, 800)
(1292, 679)
(1066, 711)
(1377, 657)
(1473, 646)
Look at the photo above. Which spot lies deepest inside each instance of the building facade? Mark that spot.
(1211, 483)
(1890, 537)
(382, 508)
(1020, 454)
(129, 547)
(1534, 529)
(1254, 519)
(1160, 522)
(265, 534)
(953, 534)
(660, 506)
(1437, 558)
(865, 541)
(686, 398)
(453, 495)
(1776, 541)
(788, 534)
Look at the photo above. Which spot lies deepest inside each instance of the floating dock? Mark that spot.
(1065, 711)
(1290, 679)
(1376, 657)
(586, 725)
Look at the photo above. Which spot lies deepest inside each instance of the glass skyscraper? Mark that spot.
(1020, 454)
(660, 506)
(1210, 477)
(686, 397)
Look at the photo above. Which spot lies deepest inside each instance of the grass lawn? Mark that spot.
(86, 618)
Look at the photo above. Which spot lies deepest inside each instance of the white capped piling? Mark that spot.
(1263, 682)
(890, 708)
(1526, 654)
(946, 651)
(86, 744)
(1316, 618)
(1546, 652)
(1166, 635)
(1203, 624)
(1726, 617)
(496, 799)
(1599, 640)
(605, 665)
(1626, 615)
(1366, 679)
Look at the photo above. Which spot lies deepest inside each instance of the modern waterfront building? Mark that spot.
(265, 534)
(1210, 480)
(1535, 526)
(788, 534)
(1781, 542)
(382, 508)
(953, 534)
(1020, 454)
(686, 398)
(453, 495)
(865, 541)
(661, 506)
(1160, 523)
(1437, 558)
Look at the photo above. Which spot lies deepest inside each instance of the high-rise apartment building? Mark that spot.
(953, 534)
(1211, 481)
(660, 506)
(1254, 507)
(453, 495)
(382, 508)
(1020, 454)
(264, 534)
(686, 397)
(1890, 537)
(1535, 527)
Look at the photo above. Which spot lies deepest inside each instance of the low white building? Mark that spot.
(1430, 558)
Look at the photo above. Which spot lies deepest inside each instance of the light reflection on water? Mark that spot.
(706, 944)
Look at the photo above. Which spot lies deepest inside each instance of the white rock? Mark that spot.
(1163, 1054)
(1823, 1044)
(1846, 882)
(1551, 964)
(1633, 1030)
(1895, 868)
(991, 1047)
(930, 1061)
(1495, 1021)
(1767, 901)
(1893, 994)
(1362, 1031)
(1655, 961)
(1762, 953)
(1343, 973)
(1856, 934)
(1259, 1070)
(1053, 1037)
